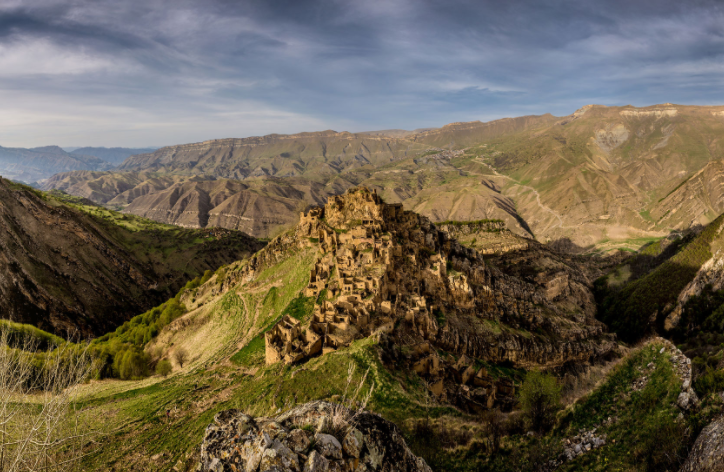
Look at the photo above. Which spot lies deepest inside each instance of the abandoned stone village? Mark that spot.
(391, 273)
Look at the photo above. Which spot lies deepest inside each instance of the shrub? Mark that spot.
(540, 398)
(181, 356)
(163, 368)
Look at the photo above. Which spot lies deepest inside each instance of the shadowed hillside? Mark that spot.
(67, 265)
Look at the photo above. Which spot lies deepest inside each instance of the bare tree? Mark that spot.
(181, 356)
(41, 426)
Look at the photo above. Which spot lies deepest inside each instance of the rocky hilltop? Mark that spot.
(66, 267)
(299, 440)
(387, 272)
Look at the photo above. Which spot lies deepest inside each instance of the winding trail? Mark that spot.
(528, 187)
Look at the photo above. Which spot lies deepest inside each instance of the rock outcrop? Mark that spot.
(486, 236)
(434, 304)
(299, 440)
(711, 274)
(707, 455)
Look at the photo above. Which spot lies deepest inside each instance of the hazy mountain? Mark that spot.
(307, 167)
(606, 176)
(114, 155)
(36, 164)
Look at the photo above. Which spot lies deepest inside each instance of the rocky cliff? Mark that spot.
(299, 440)
(435, 305)
(485, 236)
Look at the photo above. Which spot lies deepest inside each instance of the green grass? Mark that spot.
(250, 354)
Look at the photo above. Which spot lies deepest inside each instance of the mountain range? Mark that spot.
(602, 177)
(37, 164)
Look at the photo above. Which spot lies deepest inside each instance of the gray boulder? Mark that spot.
(235, 441)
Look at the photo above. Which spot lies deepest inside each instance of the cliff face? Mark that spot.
(435, 304)
(486, 236)
(62, 269)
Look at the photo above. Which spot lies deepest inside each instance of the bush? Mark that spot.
(131, 363)
(173, 310)
(540, 397)
(163, 368)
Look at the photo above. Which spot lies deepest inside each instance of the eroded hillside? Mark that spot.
(280, 173)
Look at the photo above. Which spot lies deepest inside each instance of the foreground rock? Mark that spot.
(299, 440)
(707, 455)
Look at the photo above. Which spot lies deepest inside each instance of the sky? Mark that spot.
(141, 73)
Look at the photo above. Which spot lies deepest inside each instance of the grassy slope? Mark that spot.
(628, 310)
(646, 426)
(135, 411)
(169, 249)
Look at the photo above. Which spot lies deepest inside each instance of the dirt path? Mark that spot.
(528, 187)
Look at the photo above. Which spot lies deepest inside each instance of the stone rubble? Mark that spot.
(682, 366)
(582, 443)
(237, 442)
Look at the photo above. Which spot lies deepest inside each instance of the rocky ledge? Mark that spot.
(307, 438)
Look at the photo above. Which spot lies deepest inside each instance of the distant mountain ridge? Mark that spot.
(37, 164)
(115, 155)
(603, 176)
(32, 165)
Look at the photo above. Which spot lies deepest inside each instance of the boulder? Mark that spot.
(328, 445)
(236, 441)
(707, 455)
(298, 440)
(316, 463)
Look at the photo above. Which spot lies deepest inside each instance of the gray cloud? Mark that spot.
(140, 72)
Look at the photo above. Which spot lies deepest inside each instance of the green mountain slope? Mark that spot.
(68, 265)
(636, 307)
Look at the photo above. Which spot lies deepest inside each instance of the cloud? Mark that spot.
(154, 72)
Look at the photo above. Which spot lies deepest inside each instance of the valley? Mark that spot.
(69, 266)
(438, 279)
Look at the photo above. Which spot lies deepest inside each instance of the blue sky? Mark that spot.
(146, 72)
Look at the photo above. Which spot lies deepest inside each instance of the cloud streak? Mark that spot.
(151, 72)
